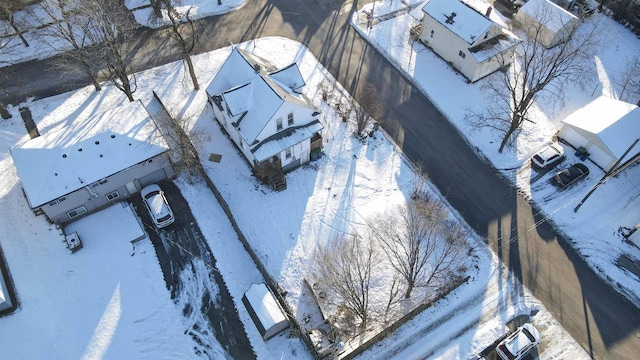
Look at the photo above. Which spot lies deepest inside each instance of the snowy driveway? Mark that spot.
(190, 272)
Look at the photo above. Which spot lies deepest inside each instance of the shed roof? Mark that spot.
(550, 15)
(83, 151)
(265, 307)
(615, 122)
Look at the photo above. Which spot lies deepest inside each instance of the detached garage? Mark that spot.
(606, 128)
(265, 311)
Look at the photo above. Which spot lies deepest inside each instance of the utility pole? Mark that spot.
(612, 172)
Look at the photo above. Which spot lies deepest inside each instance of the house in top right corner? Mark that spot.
(607, 129)
(547, 22)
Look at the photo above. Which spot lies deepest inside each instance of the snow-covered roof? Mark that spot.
(285, 140)
(615, 122)
(265, 306)
(289, 76)
(460, 18)
(254, 90)
(550, 15)
(83, 151)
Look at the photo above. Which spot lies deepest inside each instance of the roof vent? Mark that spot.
(79, 149)
(256, 68)
(113, 136)
(97, 142)
(64, 155)
(450, 18)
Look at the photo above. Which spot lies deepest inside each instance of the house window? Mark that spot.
(461, 54)
(112, 195)
(279, 124)
(290, 119)
(77, 211)
(57, 201)
(288, 153)
(432, 33)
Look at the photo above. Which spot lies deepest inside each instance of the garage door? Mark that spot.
(600, 157)
(153, 178)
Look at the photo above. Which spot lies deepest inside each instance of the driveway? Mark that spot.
(190, 272)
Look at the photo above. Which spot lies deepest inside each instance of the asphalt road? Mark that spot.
(599, 318)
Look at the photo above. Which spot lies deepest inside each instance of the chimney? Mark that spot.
(488, 13)
(450, 18)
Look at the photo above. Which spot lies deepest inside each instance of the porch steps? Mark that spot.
(276, 179)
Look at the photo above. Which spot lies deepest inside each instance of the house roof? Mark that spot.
(550, 15)
(615, 122)
(462, 19)
(254, 90)
(285, 140)
(290, 77)
(83, 151)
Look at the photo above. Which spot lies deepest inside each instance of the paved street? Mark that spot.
(601, 320)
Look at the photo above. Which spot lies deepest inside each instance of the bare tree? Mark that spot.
(184, 35)
(64, 23)
(368, 109)
(629, 79)
(534, 71)
(345, 266)
(8, 9)
(415, 238)
(112, 34)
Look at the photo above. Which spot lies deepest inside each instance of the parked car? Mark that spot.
(519, 344)
(548, 156)
(571, 174)
(156, 203)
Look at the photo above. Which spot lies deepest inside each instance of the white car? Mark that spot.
(519, 344)
(156, 203)
(548, 156)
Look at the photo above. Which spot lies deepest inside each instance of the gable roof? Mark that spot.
(616, 123)
(550, 15)
(463, 20)
(289, 76)
(81, 152)
(254, 90)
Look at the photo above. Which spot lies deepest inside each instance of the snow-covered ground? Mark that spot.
(119, 305)
(379, 177)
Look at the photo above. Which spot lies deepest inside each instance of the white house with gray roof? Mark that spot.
(85, 165)
(264, 113)
(468, 35)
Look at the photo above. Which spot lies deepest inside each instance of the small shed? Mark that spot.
(265, 311)
(550, 23)
(606, 128)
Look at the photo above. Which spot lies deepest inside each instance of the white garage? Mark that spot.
(606, 128)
